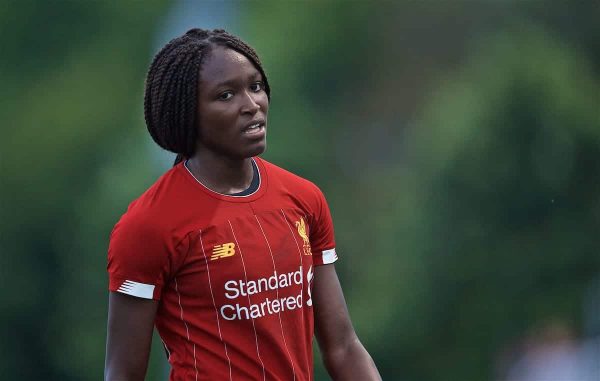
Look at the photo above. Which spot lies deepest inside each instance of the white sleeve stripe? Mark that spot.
(329, 256)
(141, 290)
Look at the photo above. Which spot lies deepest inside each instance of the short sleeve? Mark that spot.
(322, 238)
(141, 258)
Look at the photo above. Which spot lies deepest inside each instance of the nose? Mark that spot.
(250, 105)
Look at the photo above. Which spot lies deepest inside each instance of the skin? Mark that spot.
(230, 97)
(344, 356)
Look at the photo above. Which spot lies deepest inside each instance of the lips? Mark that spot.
(254, 127)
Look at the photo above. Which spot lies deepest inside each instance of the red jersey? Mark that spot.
(232, 274)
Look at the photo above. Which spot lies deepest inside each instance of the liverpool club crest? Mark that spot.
(302, 232)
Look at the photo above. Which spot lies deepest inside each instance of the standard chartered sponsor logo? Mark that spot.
(235, 289)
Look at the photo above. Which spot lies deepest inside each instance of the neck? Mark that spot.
(221, 174)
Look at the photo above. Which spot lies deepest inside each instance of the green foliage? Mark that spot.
(505, 156)
(72, 76)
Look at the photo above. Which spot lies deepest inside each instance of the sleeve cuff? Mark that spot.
(325, 257)
(137, 289)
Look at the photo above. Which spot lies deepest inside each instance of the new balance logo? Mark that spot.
(222, 251)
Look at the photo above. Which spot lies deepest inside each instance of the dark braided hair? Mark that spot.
(171, 96)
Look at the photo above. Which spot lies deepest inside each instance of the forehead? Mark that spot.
(224, 65)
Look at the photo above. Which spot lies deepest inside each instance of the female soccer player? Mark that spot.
(229, 256)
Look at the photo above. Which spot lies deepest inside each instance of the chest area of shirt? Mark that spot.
(250, 257)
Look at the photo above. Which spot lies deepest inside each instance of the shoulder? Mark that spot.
(286, 179)
(151, 214)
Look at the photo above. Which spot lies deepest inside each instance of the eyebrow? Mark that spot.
(233, 82)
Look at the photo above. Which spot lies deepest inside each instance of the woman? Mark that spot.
(231, 257)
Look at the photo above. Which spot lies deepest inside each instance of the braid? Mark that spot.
(170, 98)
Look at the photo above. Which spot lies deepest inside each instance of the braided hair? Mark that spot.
(171, 95)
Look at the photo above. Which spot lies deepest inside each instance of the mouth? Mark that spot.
(254, 128)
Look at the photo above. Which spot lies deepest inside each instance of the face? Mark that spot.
(232, 106)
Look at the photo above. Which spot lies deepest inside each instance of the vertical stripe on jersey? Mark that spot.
(298, 246)
(294, 237)
(215, 304)
(186, 326)
(301, 263)
(166, 349)
(249, 301)
(277, 291)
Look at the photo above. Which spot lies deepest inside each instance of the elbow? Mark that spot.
(336, 355)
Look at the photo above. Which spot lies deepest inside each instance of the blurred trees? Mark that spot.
(507, 160)
(72, 77)
(457, 144)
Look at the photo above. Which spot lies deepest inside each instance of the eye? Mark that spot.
(257, 86)
(225, 96)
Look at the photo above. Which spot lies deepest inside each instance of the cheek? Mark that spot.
(215, 117)
(219, 124)
(263, 102)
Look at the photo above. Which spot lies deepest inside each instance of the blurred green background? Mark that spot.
(458, 144)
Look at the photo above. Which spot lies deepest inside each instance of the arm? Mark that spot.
(343, 354)
(130, 324)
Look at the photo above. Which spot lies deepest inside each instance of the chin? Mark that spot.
(258, 149)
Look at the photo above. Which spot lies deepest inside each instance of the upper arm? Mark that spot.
(141, 257)
(333, 327)
(129, 335)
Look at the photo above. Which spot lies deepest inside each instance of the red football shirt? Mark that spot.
(233, 274)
